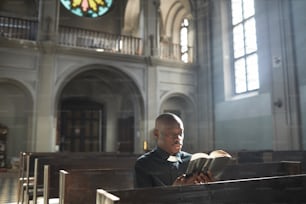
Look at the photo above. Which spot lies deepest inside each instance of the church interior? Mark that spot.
(92, 75)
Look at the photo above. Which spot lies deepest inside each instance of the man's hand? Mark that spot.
(196, 178)
(204, 178)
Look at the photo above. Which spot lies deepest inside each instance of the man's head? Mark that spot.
(169, 132)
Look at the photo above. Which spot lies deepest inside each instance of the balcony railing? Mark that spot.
(76, 37)
(173, 52)
(17, 28)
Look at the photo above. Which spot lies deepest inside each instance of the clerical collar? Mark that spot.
(166, 156)
(173, 158)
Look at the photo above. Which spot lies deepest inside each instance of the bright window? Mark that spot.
(184, 40)
(245, 64)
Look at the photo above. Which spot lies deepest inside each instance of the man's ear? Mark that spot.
(156, 133)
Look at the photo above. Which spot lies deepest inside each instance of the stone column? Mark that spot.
(205, 96)
(151, 27)
(151, 40)
(44, 139)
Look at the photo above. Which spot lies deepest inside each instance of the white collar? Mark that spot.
(172, 159)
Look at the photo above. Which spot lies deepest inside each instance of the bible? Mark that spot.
(215, 162)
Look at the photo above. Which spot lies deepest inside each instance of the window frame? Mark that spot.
(245, 53)
(187, 52)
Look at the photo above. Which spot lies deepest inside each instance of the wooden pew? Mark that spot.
(34, 171)
(103, 197)
(27, 171)
(277, 189)
(253, 170)
(21, 176)
(255, 156)
(79, 186)
(50, 177)
(93, 179)
(292, 155)
(267, 156)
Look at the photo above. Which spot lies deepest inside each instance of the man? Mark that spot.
(166, 164)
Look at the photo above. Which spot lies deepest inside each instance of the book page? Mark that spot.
(215, 162)
(199, 155)
(218, 165)
(219, 153)
(205, 167)
(196, 162)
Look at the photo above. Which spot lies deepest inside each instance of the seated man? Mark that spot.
(166, 164)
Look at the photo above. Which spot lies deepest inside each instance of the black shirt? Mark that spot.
(153, 169)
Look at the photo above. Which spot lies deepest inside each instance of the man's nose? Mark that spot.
(178, 136)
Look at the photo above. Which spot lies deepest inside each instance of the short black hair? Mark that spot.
(168, 117)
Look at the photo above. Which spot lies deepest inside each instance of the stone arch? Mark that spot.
(113, 89)
(16, 112)
(131, 19)
(172, 14)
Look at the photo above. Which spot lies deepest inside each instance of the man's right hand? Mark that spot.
(196, 178)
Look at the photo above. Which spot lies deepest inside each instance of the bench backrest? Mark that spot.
(29, 163)
(103, 197)
(253, 170)
(72, 160)
(278, 189)
(79, 186)
(84, 188)
(269, 155)
(290, 156)
(52, 168)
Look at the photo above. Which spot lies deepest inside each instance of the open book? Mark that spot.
(215, 162)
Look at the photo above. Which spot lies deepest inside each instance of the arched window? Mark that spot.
(88, 8)
(184, 40)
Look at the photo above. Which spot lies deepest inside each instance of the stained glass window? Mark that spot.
(88, 8)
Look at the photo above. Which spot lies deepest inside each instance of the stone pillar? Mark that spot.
(44, 139)
(48, 20)
(205, 96)
(152, 103)
(151, 40)
(151, 27)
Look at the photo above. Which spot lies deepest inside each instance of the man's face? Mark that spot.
(170, 137)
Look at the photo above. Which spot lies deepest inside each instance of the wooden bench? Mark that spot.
(79, 186)
(277, 189)
(91, 180)
(253, 170)
(28, 166)
(27, 171)
(103, 197)
(35, 169)
(290, 156)
(269, 155)
(255, 156)
(21, 176)
(51, 168)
